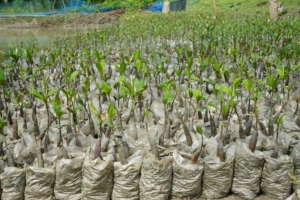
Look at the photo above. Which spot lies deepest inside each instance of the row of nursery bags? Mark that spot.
(144, 177)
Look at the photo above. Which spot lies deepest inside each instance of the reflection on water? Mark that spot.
(42, 37)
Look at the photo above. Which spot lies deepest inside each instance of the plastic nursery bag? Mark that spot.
(126, 179)
(247, 172)
(187, 177)
(276, 181)
(156, 178)
(296, 157)
(13, 183)
(68, 179)
(217, 178)
(39, 183)
(97, 179)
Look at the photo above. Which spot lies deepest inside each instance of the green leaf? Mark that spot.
(197, 94)
(37, 94)
(123, 91)
(74, 75)
(106, 88)
(248, 84)
(199, 130)
(271, 81)
(2, 122)
(122, 67)
(111, 111)
(56, 105)
(167, 95)
(100, 65)
(139, 86)
(2, 76)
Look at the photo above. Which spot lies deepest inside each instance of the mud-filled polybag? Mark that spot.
(296, 156)
(97, 179)
(126, 179)
(12, 183)
(68, 179)
(187, 177)
(39, 183)
(217, 178)
(156, 178)
(276, 181)
(295, 196)
(247, 171)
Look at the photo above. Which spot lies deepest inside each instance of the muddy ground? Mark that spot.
(69, 20)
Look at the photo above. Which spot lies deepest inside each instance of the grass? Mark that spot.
(241, 7)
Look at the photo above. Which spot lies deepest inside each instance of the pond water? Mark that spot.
(42, 37)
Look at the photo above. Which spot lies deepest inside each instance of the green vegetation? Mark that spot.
(160, 83)
(242, 7)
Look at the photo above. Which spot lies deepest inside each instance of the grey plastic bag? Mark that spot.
(187, 177)
(276, 181)
(295, 196)
(296, 157)
(217, 178)
(68, 179)
(247, 172)
(39, 183)
(97, 181)
(156, 178)
(126, 179)
(13, 183)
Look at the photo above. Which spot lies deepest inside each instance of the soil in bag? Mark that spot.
(12, 183)
(156, 178)
(247, 172)
(217, 178)
(126, 179)
(187, 176)
(68, 179)
(39, 183)
(276, 181)
(97, 182)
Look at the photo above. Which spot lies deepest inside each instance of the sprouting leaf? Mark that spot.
(51, 92)
(122, 67)
(2, 75)
(197, 94)
(106, 87)
(37, 94)
(146, 112)
(56, 105)
(167, 95)
(271, 81)
(279, 119)
(236, 82)
(248, 84)
(295, 67)
(74, 75)
(123, 91)
(139, 85)
(111, 111)
(80, 101)
(211, 105)
(2, 122)
(282, 71)
(224, 88)
(199, 130)
(100, 65)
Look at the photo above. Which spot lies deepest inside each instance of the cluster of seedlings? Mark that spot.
(179, 115)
